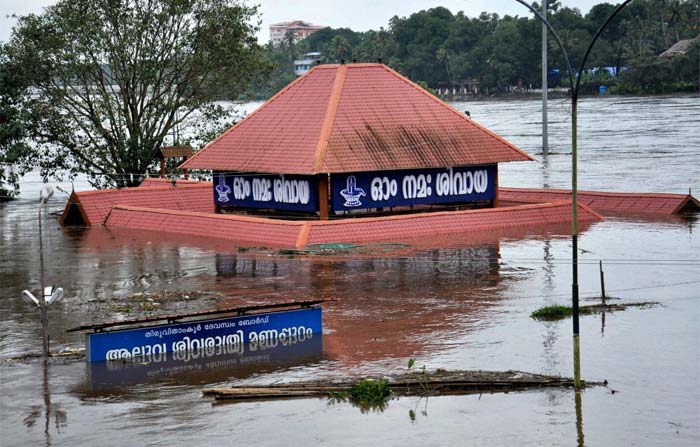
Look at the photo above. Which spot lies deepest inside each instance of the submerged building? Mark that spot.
(350, 153)
(359, 141)
(354, 138)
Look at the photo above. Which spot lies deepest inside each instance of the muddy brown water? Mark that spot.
(460, 303)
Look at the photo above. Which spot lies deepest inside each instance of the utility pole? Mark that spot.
(574, 237)
(574, 81)
(545, 136)
(42, 299)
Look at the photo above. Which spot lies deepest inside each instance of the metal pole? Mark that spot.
(574, 82)
(578, 403)
(602, 283)
(545, 136)
(574, 236)
(42, 298)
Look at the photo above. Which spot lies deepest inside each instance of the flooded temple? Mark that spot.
(355, 138)
(350, 153)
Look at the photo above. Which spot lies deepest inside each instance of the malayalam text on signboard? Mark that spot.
(363, 190)
(197, 335)
(282, 192)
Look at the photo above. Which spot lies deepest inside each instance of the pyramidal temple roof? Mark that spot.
(349, 118)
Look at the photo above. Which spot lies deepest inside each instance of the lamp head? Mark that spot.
(29, 298)
(56, 296)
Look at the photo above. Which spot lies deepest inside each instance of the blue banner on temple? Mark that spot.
(197, 335)
(281, 192)
(362, 190)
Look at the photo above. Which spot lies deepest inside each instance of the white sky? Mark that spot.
(359, 15)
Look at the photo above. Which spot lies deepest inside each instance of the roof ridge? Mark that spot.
(621, 194)
(456, 112)
(130, 189)
(235, 217)
(352, 65)
(400, 217)
(263, 106)
(329, 118)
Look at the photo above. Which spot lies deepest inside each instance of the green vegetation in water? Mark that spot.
(122, 308)
(150, 306)
(556, 312)
(421, 377)
(370, 392)
(367, 394)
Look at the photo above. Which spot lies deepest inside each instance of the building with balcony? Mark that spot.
(299, 28)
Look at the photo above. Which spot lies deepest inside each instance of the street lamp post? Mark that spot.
(48, 295)
(575, 84)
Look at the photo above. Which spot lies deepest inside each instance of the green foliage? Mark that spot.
(443, 49)
(115, 79)
(367, 394)
(421, 377)
(556, 312)
(15, 153)
(370, 392)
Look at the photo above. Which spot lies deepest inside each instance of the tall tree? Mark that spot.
(15, 154)
(114, 77)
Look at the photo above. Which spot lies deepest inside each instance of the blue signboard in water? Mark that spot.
(363, 190)
(154, 340)
(215, 363)
(281, 192)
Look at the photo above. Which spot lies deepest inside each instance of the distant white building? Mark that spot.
(304, 64)
(298, 28)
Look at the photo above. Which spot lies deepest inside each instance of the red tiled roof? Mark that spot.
(250, 230)
(96, 205)
(285, 233)
(400, 228)
(611, 202)
(355, 117)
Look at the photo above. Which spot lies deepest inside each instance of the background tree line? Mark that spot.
(443, 49)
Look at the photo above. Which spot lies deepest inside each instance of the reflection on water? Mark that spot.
(47, 411)
(459, 302)
(580, 438)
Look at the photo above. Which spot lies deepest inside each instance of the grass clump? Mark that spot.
(370, 392)
(556, 312)
(367, 394)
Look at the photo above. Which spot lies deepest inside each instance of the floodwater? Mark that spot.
(461, 303)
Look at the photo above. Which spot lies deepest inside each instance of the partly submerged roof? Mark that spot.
(93, 207)
(679, 48)
(348, 118)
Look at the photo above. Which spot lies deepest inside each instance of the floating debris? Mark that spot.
(66, 353)
(549, 313)
(439, 382)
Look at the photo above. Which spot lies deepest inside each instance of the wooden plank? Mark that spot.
(416, 383)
